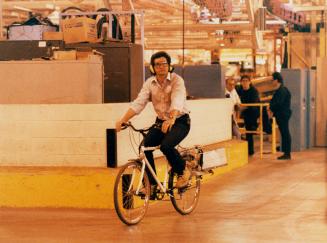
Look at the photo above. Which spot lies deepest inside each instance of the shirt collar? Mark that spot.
(154, 78)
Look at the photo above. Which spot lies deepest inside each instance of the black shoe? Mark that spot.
(284, 157)
(153, 192)
(267, 130)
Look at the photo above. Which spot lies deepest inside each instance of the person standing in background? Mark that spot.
(249, 94)
(280, 108)
(230, 92)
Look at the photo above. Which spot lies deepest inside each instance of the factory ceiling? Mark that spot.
(171, 24)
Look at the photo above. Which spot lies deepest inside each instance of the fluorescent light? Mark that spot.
(14, 14)
(50, 5)
(23, 9)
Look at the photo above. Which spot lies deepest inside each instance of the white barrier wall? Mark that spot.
(75, 135)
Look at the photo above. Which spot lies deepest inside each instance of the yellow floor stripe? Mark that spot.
(83, 187)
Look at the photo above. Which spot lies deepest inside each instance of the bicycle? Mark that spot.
(132, 186)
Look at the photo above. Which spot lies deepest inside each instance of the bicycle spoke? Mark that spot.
(130, 207)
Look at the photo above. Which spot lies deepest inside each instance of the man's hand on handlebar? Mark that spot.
(127, 116)
(120, 125)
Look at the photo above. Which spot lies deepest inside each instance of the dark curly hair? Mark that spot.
(245, 77)
(160, 54)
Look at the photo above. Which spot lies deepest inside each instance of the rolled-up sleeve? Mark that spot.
(142, 99)
(178, 94)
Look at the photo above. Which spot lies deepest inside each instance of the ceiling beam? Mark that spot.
(198, 27)
(57, 3)
(159, 5)
(297, 8)
(207, 46)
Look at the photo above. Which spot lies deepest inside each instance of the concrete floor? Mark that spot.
(265, 201)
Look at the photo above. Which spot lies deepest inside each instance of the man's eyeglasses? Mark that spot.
(162, 64)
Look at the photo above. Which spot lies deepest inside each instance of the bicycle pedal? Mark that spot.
(183, 189)
(151, 197)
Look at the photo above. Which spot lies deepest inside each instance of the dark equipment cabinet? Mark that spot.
(27, 50)
(123, 69)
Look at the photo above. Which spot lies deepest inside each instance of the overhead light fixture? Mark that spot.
(76, 1)
(15, 14)
(50, 5)
(23, 9)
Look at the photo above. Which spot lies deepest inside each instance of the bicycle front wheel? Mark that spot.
(131, 207)
(185, 199)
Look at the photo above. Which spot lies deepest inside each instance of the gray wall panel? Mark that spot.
(205, 81)
(296, 81)
(311, 107)
(201, 81)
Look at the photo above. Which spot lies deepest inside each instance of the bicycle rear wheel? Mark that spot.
(130, 207)
(185, 199)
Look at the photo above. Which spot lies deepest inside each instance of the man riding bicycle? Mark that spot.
(166, 90)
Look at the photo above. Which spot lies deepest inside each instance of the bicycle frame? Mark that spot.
(184, 200)
(145, 162)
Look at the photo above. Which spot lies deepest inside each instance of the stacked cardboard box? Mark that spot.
(80, 29)
(53, 36)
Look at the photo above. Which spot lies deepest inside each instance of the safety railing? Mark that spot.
(259, 131)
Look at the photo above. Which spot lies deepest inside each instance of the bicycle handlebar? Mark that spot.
(129, 124)
(142, 131)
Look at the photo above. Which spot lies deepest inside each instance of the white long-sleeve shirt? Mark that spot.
(171, 95)
(234, 96)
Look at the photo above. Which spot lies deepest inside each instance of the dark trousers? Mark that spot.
(249, 139)
(285, 134)
(250, 125)
(167, 142)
